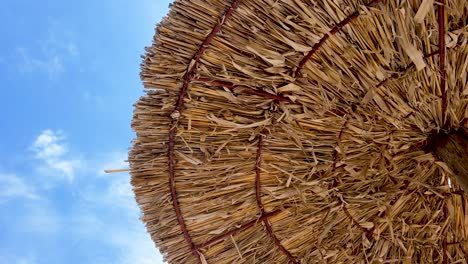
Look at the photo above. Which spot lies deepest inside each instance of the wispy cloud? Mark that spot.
(129, 236)
(40, 218)
(12, 186)
(126, 234)
(18, 260)
(59, 40)
(50, 148)
(92, 98)
(136, 247)
(51, 54)
(51, 65)
(102, 212)
(25, 260)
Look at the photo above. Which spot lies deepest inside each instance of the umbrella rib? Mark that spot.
(391, 77)
(368, 232)
(410, 66)
(188, 76)
(238, 229)
(268, 226)
(333, 31)
(338, 139)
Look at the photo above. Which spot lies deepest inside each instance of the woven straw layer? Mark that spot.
(292, 131)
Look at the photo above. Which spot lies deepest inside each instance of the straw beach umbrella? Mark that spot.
(299, 131)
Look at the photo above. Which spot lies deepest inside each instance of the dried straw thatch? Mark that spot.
(278, 131)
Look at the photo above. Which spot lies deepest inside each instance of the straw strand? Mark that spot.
(441, 19)
(258, 171)
(444, 240)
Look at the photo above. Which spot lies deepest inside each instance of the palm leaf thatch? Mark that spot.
(294, 131)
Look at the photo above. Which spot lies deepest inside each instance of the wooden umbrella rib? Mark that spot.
(188, 76)
(338, 139)
(333, 31)
(268, 226)
(368, 232)
(410, 66)
(353, 221)
(278, 242)
(237, 230)
(380, 84)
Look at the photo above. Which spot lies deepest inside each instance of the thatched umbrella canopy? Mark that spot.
(302, 131)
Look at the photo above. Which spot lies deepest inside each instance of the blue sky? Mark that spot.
(69, 74)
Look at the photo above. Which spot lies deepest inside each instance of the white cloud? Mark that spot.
(115, 195)
(72, 49)
(48, 145)
(25, 260)
(12, 186)
(18, 260)
(51, 150)
(126, 234)
(92, 98)
(59, 41)
(33, 218)
(101, 212)
(51, 65)
(137, 247)
(52, 53)
(39, 218)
